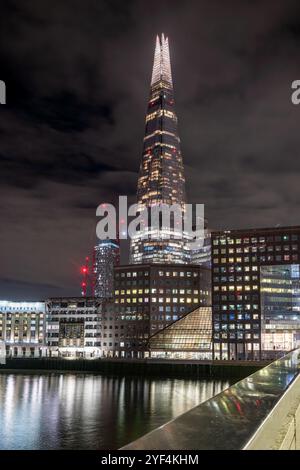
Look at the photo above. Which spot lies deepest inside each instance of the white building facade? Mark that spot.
(22, 328)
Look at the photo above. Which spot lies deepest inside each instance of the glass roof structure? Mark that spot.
(191, 333)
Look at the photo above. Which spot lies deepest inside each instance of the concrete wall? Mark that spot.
(134, 367)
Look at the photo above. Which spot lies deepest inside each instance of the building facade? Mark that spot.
(112, 331)
(22, 328)
(149, 297)
(255, 292)
(73, 327)
(106, 257)
(161, 177)
(280, 307)
(202, 255)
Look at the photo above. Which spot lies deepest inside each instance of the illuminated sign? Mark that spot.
(6, 305)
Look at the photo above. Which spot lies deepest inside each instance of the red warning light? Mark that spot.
(85, 272)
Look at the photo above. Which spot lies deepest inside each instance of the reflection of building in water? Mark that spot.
(92, 412)
(187, 338)
(280, 304)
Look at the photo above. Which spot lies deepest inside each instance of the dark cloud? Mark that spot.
(77, 76)
(27, 291)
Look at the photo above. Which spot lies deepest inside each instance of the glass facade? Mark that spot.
(280, 307)
(202, 255)
(106, 257)
(161, 176)
(147, 298)
(187, 338)
(238, 257)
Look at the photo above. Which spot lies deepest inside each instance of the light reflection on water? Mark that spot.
(72, 411)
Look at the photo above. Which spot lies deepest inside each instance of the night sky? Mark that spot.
(78, 75)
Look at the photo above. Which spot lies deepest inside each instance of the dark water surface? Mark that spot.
(84, 411)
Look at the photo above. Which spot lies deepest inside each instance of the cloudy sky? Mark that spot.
(77, 76)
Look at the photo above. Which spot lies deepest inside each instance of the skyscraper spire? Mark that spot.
(161, 177)
(162, 65)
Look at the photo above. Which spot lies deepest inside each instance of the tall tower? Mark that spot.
(106, 257)
(161, 177)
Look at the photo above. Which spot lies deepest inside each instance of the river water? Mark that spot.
(85, 411)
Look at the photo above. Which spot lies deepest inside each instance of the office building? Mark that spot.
(22, 328)
(148, 298)
(112, 331)
(161, 177)
(73, 327)
(202, 256)
(255, 292)
(280, 308)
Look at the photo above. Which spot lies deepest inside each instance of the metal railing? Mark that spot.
(259, 412)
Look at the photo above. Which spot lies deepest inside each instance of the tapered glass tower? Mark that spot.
(161, 177)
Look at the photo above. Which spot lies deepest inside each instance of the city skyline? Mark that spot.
(74, 146)
(150, 236)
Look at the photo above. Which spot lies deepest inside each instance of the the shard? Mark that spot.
(161, 176)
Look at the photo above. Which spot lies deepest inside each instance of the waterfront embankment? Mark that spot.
(145, 367)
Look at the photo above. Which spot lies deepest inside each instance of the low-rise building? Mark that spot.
(73, 327)
(22, 328)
